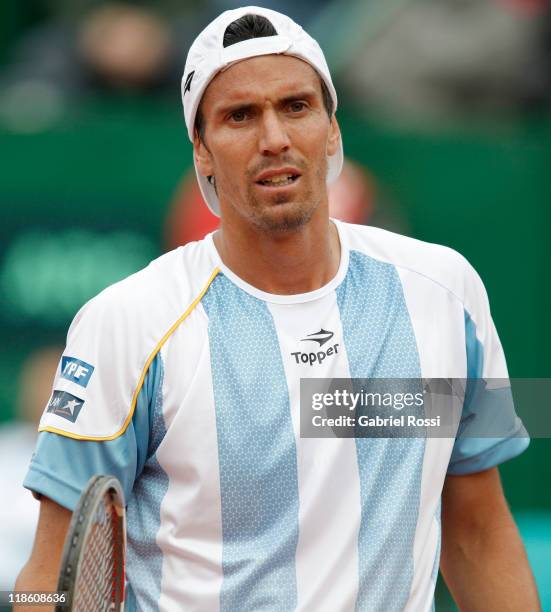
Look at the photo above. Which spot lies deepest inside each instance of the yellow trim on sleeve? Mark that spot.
(143, 374)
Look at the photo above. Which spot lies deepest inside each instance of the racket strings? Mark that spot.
(98, 579)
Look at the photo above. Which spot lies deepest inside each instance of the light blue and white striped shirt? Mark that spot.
(185, 384)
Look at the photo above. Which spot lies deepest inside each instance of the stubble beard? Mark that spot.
(284, 216)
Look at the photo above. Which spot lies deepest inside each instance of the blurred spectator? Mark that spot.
(19, 512)
(125, 46)
(114, 47)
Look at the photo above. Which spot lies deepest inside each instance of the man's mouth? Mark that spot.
(279, 180)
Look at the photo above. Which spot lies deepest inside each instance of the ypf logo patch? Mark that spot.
(76, 371)
(65, 405)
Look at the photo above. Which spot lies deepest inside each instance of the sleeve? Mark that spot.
(100, 414)
(489, 431)
(101, 370)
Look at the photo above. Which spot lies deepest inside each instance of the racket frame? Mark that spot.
(81, 522)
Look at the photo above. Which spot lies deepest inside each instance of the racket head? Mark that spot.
(93, 561)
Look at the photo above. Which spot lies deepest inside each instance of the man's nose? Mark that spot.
(273, 138)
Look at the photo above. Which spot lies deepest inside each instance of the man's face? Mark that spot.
(266, 141)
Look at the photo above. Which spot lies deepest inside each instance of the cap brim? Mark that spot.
(208, 192)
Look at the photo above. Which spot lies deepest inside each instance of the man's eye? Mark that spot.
(296, 107)
(239, 116)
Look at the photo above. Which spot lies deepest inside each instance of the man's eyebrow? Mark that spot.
(301, 95)
(231, 108)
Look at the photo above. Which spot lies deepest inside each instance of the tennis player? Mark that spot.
(183, 380)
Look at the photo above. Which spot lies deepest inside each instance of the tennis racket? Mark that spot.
(92, 566)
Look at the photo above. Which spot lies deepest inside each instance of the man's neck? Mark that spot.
(284, 263)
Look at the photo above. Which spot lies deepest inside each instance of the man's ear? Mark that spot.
(202, 156)
(333, 137)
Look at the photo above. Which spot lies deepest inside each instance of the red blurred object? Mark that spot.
(189, 218)
(527, 7)
(352, 195)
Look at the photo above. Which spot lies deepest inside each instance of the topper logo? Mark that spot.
(76, 370)
(317, 357)
(321, 337)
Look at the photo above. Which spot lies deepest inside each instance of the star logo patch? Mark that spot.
(65, 405)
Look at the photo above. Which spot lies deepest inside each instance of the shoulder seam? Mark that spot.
(145, 369)
(413, 271)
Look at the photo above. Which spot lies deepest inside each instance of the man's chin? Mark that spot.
(283, 216)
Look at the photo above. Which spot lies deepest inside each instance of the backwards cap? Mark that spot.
(207, 56)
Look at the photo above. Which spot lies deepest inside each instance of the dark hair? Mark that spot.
(255, 26)
(246, 27)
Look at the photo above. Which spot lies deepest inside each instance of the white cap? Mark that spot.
(207, 56)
